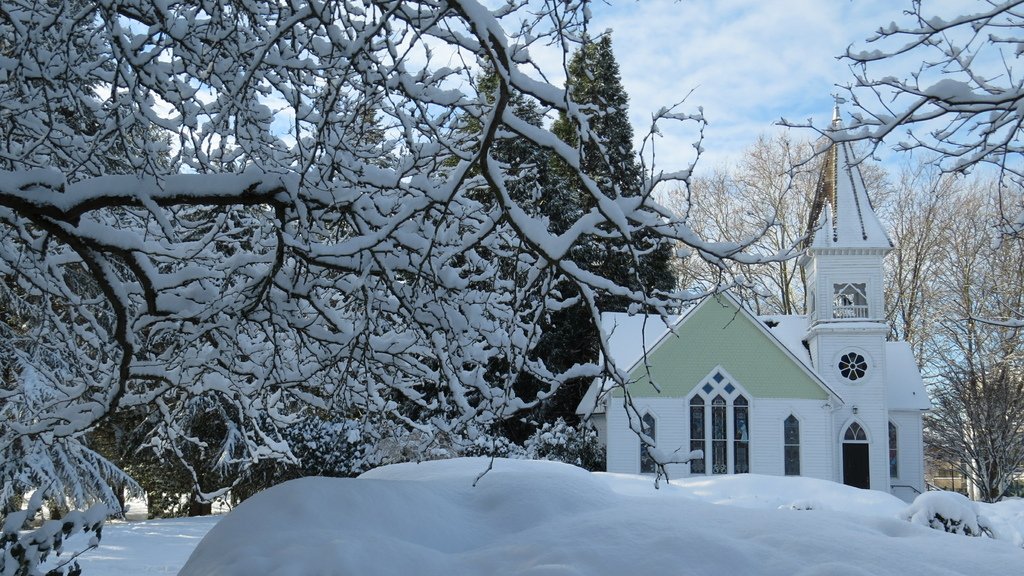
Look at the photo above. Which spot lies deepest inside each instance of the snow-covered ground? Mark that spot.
(544, 518)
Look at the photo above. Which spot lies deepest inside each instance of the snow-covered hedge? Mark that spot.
(948, 511)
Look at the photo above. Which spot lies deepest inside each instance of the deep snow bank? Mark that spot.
(544, 518)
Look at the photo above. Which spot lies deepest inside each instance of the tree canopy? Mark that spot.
(268, 205)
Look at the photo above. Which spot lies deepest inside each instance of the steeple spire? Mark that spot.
(841, 214)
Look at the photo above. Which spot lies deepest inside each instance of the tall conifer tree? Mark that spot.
(595, 85)
(570, 335)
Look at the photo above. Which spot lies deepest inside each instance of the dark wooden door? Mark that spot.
(855, 465)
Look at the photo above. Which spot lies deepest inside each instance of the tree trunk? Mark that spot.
(198, 508)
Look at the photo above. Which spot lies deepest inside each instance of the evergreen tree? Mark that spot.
(569, 335)
(595, 85)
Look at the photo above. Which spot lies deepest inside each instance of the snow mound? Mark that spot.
(791, 492)
(1006, 519)
(545, 518)
(949, 512)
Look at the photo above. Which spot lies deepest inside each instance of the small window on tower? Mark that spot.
(850, 301)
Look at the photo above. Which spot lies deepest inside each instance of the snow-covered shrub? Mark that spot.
(330, 448)
(321, 446)
(23, 552)
(337, 446)
(559, 441)
(948, 511)
(578, 445)
(493, 445)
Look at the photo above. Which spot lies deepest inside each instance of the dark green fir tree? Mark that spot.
(607, 157)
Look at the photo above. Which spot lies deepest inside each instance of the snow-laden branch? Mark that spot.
(959, 92)
(273, 205)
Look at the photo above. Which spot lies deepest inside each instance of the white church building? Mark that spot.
(823, 395)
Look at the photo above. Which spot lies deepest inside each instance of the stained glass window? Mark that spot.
(697, 433)
(740, 434)
(720, 426)
(719, 439)
(893, 452)
(649, 426)
(791, 442)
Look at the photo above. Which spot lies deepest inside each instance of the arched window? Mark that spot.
(791, 443)
(650, 429)
(720, 426)
(894, 469)
(697, 432)
(741, 439)
(855, 433)
(719, 438)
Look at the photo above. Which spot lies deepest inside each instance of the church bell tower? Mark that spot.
(843, 265)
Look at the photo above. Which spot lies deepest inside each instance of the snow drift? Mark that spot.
(546, 518)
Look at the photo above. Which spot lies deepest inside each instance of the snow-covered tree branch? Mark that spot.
(958, 95)
(268, 205)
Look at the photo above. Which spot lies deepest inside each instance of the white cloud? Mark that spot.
(749, 63)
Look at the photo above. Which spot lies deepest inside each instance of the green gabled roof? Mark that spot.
(721, 332)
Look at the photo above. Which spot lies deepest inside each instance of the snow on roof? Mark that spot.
(791, 331)
(630, 337)
(906, 389)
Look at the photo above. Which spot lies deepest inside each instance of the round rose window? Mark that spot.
(853, 366)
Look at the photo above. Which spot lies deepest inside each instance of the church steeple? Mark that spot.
(841, 213)
(846, 242)
(846, 334)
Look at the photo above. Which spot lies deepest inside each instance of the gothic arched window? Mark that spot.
(855, 433)
(720, 428)
(791, 443)
(649, 426)
(719, 438)
(741, 436)
(894, 469)
(697, 432)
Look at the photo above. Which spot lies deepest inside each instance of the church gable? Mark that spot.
(717, 333)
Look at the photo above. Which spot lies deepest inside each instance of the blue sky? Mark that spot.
(748, 62)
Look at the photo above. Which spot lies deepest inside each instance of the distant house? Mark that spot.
(822, 395)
